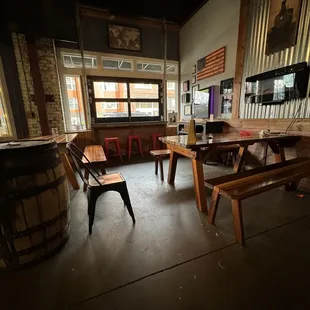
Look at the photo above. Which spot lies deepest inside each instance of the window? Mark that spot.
(148, 67)
(110, 90)
(116, 64)
(171, 68)
(127, 99)
(108, 86)
(170, 85)
(109, 105)
(75, 61)
(6, 131)
(172, 96)
(74, 109)
(73, 104)
(70, 83)
(143, 86)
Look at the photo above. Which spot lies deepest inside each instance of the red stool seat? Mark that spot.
(138, 140)
(114, 140)
(155, 143)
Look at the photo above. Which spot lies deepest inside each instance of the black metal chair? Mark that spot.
(99, 184)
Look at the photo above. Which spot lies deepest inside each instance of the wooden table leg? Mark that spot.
(161, 168)
(279, 156)
(69, 171)
(240, 159)
(172, 167)
(200, 192)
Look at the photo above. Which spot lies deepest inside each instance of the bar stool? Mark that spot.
(130, 140)
(114, 140)
(155, 144)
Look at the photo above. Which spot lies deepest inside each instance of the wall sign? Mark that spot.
(211, 65)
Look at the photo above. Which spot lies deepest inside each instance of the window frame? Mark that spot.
(128, 81)
(118, 60)
(93, 57)
(143, 62)
(66, 104)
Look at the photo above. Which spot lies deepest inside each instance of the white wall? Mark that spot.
(215, 25)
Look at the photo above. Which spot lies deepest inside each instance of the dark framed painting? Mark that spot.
(194, 79)
(186, 98)
(124, 38)
(282, 25)
(186, 86)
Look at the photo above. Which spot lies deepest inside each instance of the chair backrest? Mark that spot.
(74, 152)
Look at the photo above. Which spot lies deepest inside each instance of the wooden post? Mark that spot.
(38, 85)
(242, 32)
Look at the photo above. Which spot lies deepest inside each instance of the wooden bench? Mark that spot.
(159, 154)
(245, 184)
(96, 156)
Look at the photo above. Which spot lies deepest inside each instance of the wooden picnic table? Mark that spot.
(198, 152)
(62, 141)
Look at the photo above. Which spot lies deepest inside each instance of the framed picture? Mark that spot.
(282, 25)
(124, 38)
(193, 69)
(194, 79)
(186, 86)
(194, 89)
(186, 98)
(188, 110)
(172, 117)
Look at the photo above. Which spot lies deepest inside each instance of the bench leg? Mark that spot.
(156, 165)
(161, 168)
(238, 221)
(102, 168)
(291, 186)
(214, 205)
(86, 176)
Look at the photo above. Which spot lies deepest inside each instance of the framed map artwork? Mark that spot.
(124, 38)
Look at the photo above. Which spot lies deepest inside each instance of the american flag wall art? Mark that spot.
(211, 65)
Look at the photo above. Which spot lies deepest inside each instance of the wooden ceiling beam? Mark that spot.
(146, 22)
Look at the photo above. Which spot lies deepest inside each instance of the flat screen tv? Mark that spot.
(278, 86)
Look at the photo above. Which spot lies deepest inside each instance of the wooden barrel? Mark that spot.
(34, 203)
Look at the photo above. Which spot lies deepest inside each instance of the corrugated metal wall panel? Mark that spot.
(257, 62)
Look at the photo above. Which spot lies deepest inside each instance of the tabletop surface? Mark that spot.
(222, 139)
(59, 139)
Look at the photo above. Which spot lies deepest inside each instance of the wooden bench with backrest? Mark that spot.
(96, 156)
(245, 184)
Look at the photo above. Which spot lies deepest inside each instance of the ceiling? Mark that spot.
(157, 9)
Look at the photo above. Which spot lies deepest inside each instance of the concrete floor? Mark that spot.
(171, 258)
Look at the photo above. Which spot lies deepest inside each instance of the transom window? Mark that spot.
(149, 67)
(116, 64)
(124, 99)
(75, 61)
